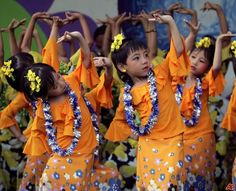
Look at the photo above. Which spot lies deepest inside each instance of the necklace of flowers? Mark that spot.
(34, 107)
(51, 131)
(130, 112)
(197, 105)
(94, 119)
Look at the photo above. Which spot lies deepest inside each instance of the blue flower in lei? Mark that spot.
(95, 124)
(196, 102)
(51, 131)
(34, 107)
(130, 112)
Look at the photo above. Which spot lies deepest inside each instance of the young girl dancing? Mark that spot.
(205, 79)
(69, 126)
(148, 92)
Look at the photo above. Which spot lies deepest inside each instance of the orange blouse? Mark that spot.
(229, 121)
(169, 122)
(7, 115)
(210, 87)
(63, 117)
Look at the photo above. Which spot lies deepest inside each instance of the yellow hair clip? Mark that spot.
(233, 48)
(7, 70)
(204, 42)
(35, 81)
(117, 42)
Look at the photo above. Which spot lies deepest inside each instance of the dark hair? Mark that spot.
(208, 52)
(45, 73)
(99, 31)
(18, 62)
(120, 56)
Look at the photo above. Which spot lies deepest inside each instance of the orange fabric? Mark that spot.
(168, 110)
(159, 164)
(50, 55)
(87, 76)
(210, 87)
(229, 121)
(67, 173)
(63, 118)
(101, 95)
(7, 115)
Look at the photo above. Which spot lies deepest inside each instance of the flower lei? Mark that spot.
(130, 112)
(7, 70)
(204, 42)
(95, 125)
(35, 81)
(117, 42)
(233, 48)
(51, 131)
(196, 102)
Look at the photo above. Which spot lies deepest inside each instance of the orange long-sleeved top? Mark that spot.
(63, 117)
(211, 87)
(169, 122)
(229, 121)
(7, 115)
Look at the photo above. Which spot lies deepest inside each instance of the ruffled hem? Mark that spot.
(36, 146)
(118, 131)
(229, 121)
(186, 106)
(6, 122)
(50, 55)
(214, 85)
(104, 93)
(88, 76)
(178, 66)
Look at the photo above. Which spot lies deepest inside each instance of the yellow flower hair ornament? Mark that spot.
(117, 42)
(7, 70)
(35, 81)
(204, 42)
(233, 48)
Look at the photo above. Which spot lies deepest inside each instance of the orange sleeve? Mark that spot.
(87, 76)
(229, 121)
(215, 85)
(174, 66)
(118, 130)
(101, 95)
(7, 115)
(37, 142)
(50, 55)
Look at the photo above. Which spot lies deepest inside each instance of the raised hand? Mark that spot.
(193, 28)
(102, 62)
(173, 7)
(210, 6)
(161, 18)
(15, 24)
(40, 15)
(68, 36)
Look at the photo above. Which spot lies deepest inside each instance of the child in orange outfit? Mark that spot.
(229, 121)
(199, 138)
(148, 92)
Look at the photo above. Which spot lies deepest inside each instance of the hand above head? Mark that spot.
(72, 16)
(161, 18)
(210, 6)
(173, 7)
(68, 36)
(192, 28)
(102, 62)
(15, 24)
(40, 15)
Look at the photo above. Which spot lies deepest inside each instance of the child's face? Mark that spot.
(59, 86)
(138, 63)
(199, 63)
